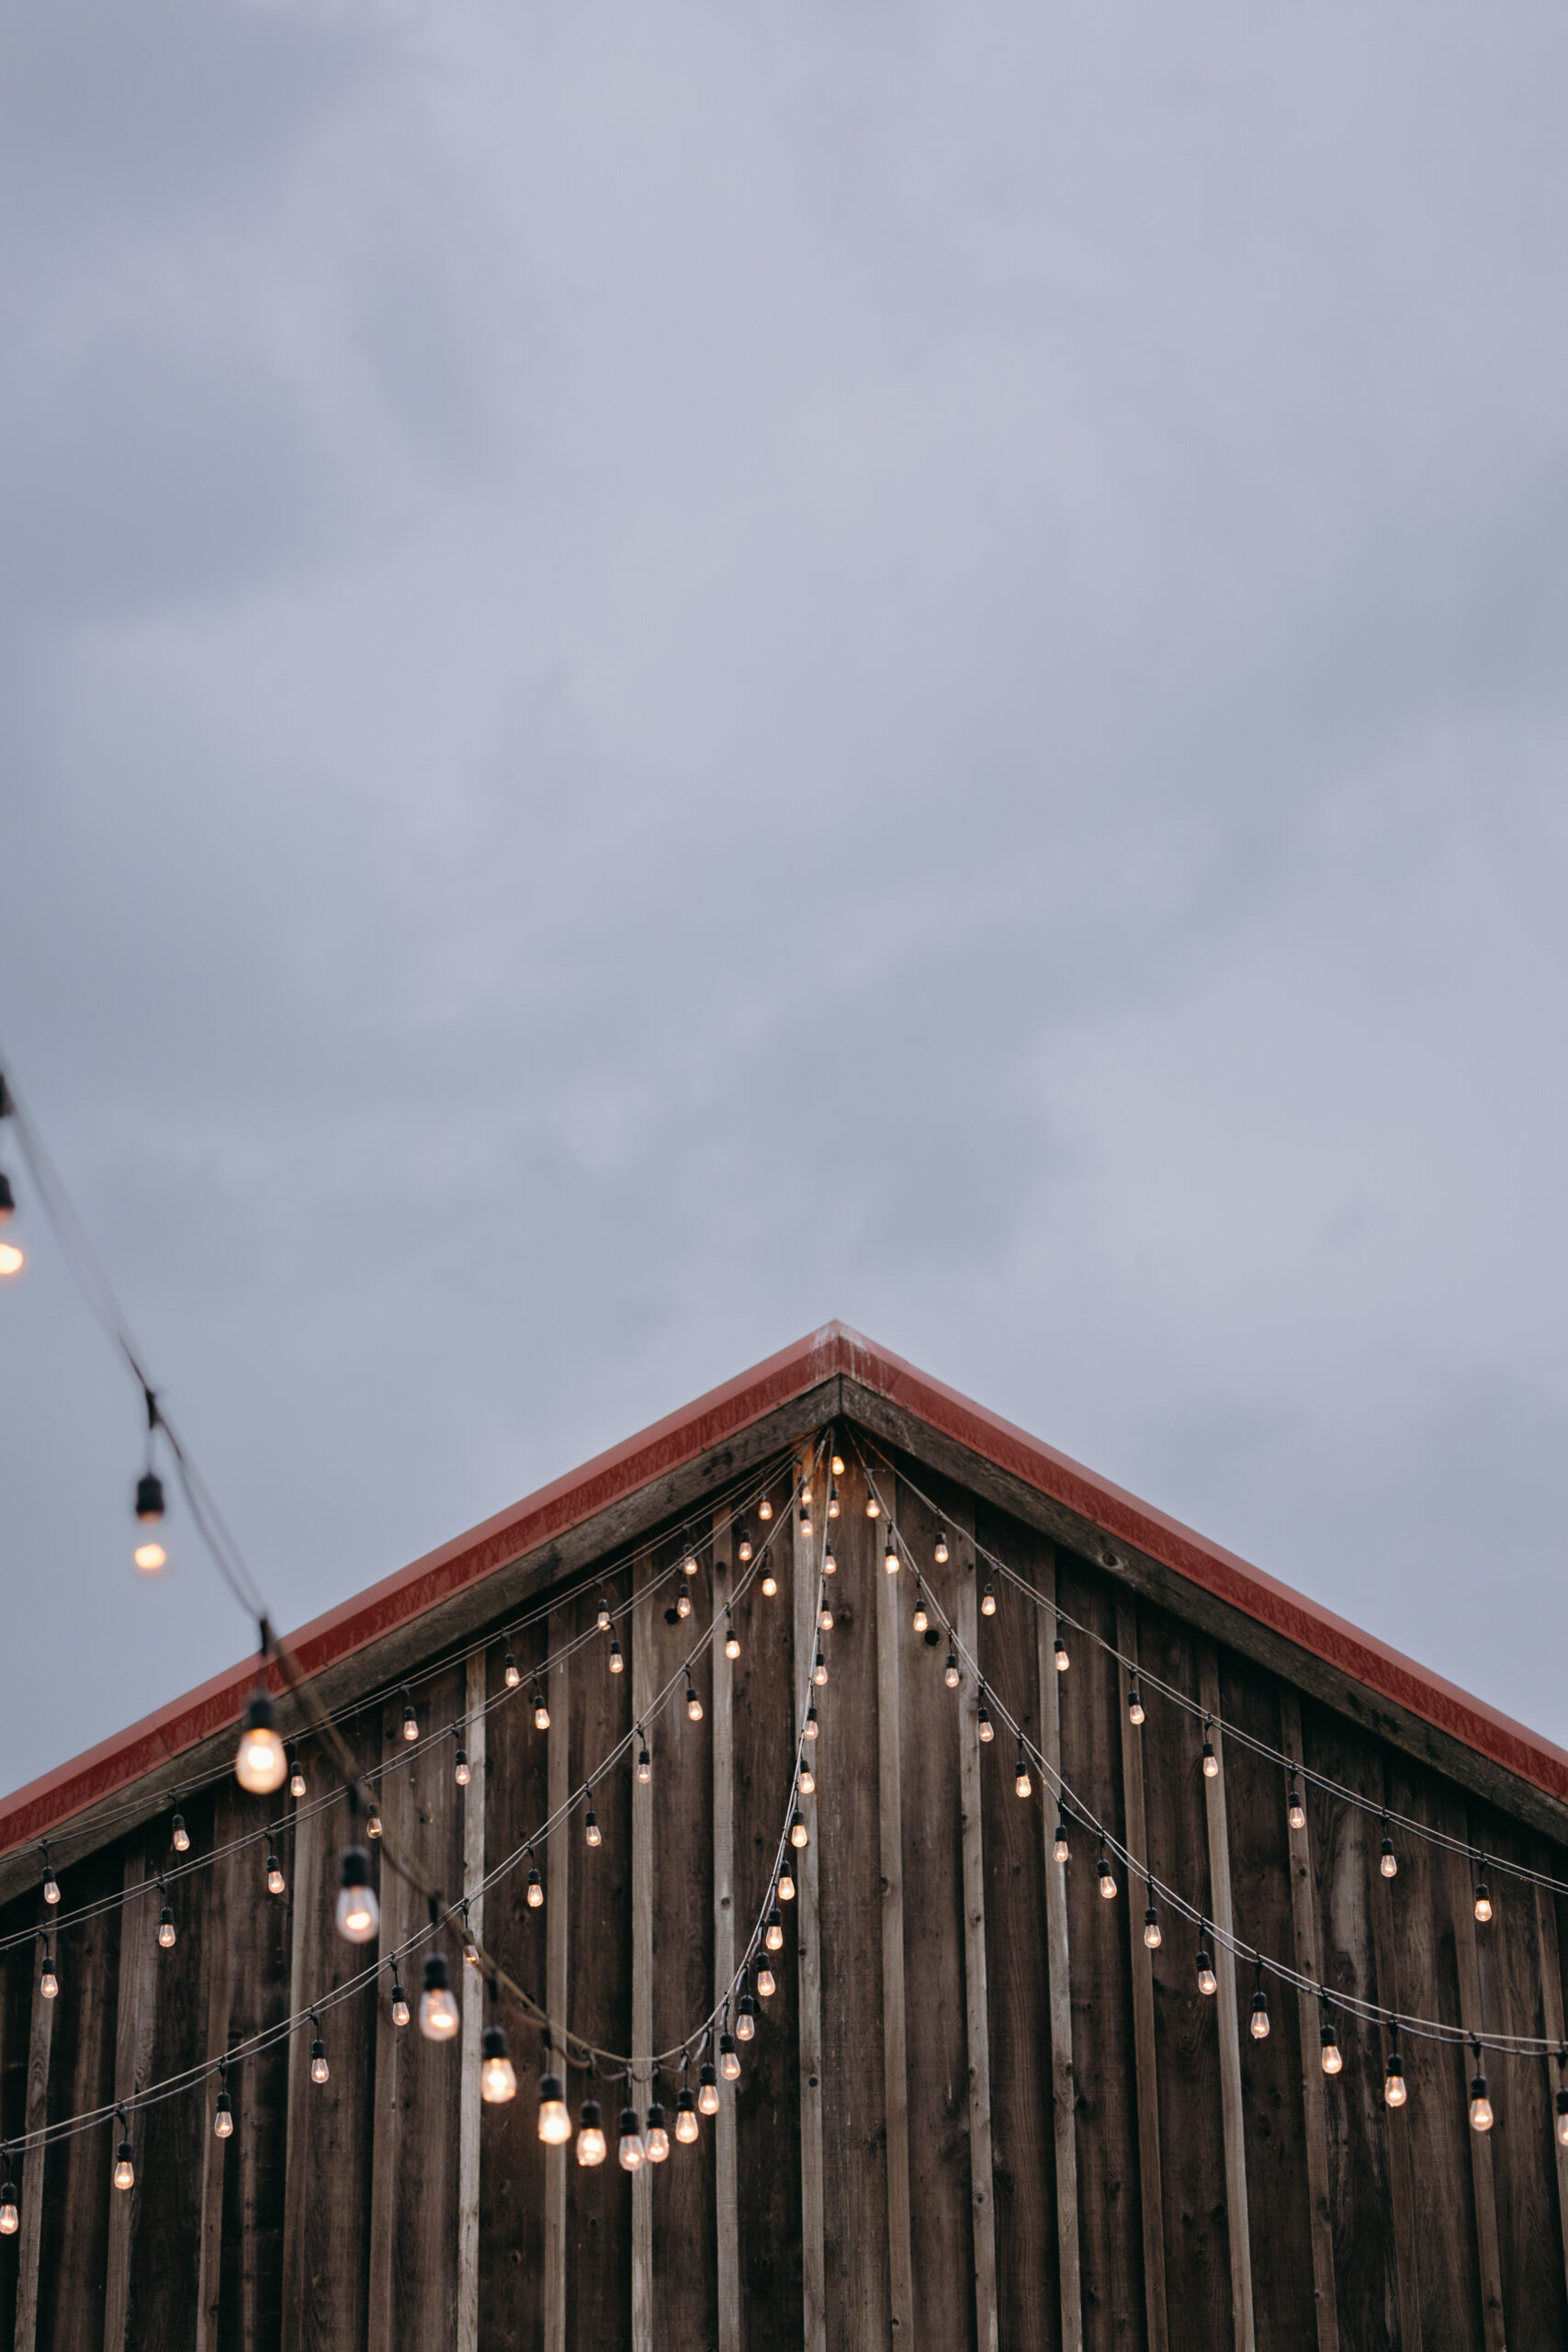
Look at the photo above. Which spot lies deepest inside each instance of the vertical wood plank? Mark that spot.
(397, 1924)
(1402, 2191)
(74, 2181)
(474, 1999)
(1229, 2020)
(557, 1944)
(895, 2059)
(1552, 2005)
(133, 2046)
(214, 2169)
(1483, 2184)
(727, 2172)
(977, 2003)
(1142, 2001)
(36, 2114)
(642, 1952)
(1308, 1959)
(813, 2219)
(1063, 2086)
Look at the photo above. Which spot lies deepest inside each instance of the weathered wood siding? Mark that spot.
(1034, 2134)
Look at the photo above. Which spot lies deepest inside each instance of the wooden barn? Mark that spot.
(1208, 2081)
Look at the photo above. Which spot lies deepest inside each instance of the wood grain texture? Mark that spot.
(970, 1755)
(1063, 2085)
(1228, 2019)
(471, 1807)
(559, 1874)
(1488, 2254)
(132, 2067)
(1390, 1897)
(726, 2126)
(1144, 2046)
(890, 1849)
(642, 1643)
(29, 2240)
(807, 1935)
(215, 2152)
(1550, 1962)
(1309, 1961)
(74, 2179)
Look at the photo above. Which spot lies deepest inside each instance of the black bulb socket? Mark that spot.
(686, 2103)
(258, 1714)
(630, 2125)
(149, 1497)
(7, 1198)
(592, 2121)
(708, 2078)
(436, 1979)
(355, 1869)
(494, 2043)
(550, 2090)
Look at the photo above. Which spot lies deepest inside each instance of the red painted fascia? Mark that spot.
(37, 1810)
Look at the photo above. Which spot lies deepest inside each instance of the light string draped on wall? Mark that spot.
(1396, 2023)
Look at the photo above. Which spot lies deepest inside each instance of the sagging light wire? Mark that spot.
(1435, 2029)
(1443, 1840)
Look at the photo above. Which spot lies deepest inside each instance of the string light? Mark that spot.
(1135, 1715)
(1152, 1936)
(470, 1948)
(1395, 2093)
(124, 2173)
(772, 1934)
(617, 1663)
(460, 1770)
(411, 1720)
(511, 1673)
(1328, 2048)
(1211, 1761)
(359, 1913)
(399, 2003)
(807, 1780)
(694, 1705)
(1022, 1786)
(745, 2012)
(1060, 1850)
(1063, 1661)
(1107, 1876)
(224, 2111)
(939, 1554)
(764, 1509)
(684, 1601)
(438, 2018)
(743, 1549)
(591, 1823)
(630, 2151)
(807, 1530)
(728, 2060)
(920, 1620)
(535, 1884)
(179, 1836)
(50, 1884)
(541, 1712)
(10, 2215)
(591, 2135)
(983, 1720)
(731, 1639)
(1482, 1901)
(890, 1556)
(1257, 2025)
(149, 1556)
(49, 1983)
(833, 1504)
(372, 1823)
(644, 1761)
(656, 2138)
(1297, 1816)
(555, 2123)
(770, 1585)
(837, 1465)
(829, 1563)
(686, 2118)
(602, 1619)
(873, 1508)
(498, 2076)
(166, 1929)
(707, 2092)
(989, 1599)
(950, 1673)
(799, 1836)
(261, 1763)
(1208, 1982)
(1562, 2100)
(767, 1983)
(812, 1727)
(275, 1878)
(319, 2070)
(785, 1884)
(1388, 1861)
(296, 1781)
(1481, 2117)
(819, 1671)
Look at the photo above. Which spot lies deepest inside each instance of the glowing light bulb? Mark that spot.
(824, 1618)
(1211, 1761)
(1481, 2117)
(1563, 2119)
(1060, 1850)
(498, 2076)
(319, 2070)
(834, 1506)
(890, 1558)
(438, 2018)
(617, 1663)
(1393, 2091)
(743, 1550)
(471, 1949)
(261, 1763)
(602, 1619)
(275, 1878)
(358, 1914)
(731, 1644)
(50, 1885)
(1483, 1903)
(541, 1712)
(12, 1259)
(591, 1828)
(1063, 1661)
(939, 1554)
(764, 1509)
(1388, 1861)
(1135, 1707)
(150, 1558)
(767, 1983)
(460, 1770)
(807, 1780)
(829, 1563)
(745, 2018)
(399, 2005)
(985, 1728)
(812, 1727)
(1208, 1982)
(786, 1884)
(296, 1779)
(798, 1833)
(770, 1585)
(656, 2138)
(10, 2214)
(1328, 2045)
(49, 1983)
(773, 1938)
(728, 2060)
(686, 2118)
(223, 2117)
(989, 1599)
(591, 2147)
(166, 1928)
(1107, 1879)
(1022, 1786)
(372, 1823)
(819, 1671)
(630, 2152)
(1298, 1819)
(873, 1508)
(179, 1835)
(920, 1620)
(693, 1705)
(555, 2123)
(950, 1673)
(536, 1888)
(644, 1766)
(837, 1465)
(807, 1529)
(410, 1722)
(124, 2167)
(1152, 1936)
(511, 1673)
(707, 2092)
(1257, 2025)
(683, 1603)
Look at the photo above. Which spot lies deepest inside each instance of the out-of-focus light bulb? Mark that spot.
(767, 1983)
(950, 1673)
(743, 1550)
(591, 2147)
(707, 2092)
(438, 2018)
(686, 2118)
(837, 1465)
(150, 1558)
(12, 1259)
(812, 1727)
(359, 1913)
(683, 1603)
(1388, 1860)
(1211, 1761)
(770, 1585)
(498, 2076)
(807, 1780)
(1063, 1661)
(261, 1762)
(873, 1508)
(764, 1508)
(275, 1878)
(555, 2123)
(939, 1554)
(890, 1558)
(829, 1563)
(986, 1730)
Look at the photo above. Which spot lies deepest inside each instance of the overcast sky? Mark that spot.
(666, 672)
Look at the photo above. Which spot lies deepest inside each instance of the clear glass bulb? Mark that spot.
(1107, 1882)
(837, 1465)
(400, 2006)
(807, 1780)
(461, 1774)
(729, 2067)
(223, 2118)
(319, 2070)
(987, 1728)
(950, 1673)
(296, 1782)
(541, 1715)
(786, 1885)
(1063, 1661)
(1394, 2090)
(275, 1879)
(834, 1506)
(1022, 1786)
(1388, 1862)
(124, 2167)
(591, 2148)
(683, 1603)
(555, 2123)
(656, 2143)
(630, 2152)
(812, 1727)
(686, 2123)
(770, 1586)
(51, 1887)
(1136, 1710)
(359, 1913)
(1152, 1936)
(1060, 1851)
(767, 1983)
(1482, 1905)
(829, 1564)
(470, 1952)
(1211, 1762)
(410, 1725)
(498, 2080)
(731, 1644)
(166, 1928)
(708, 2096)
(644, 1767)
(819, 1671)
(873, 1508)
(438, 2018)
(535, 1890)
(764, 1508)
(798, 1833)
(150, 1558)
(180, 1835)
(261, 1763)
(988, 1602)
(939, 1554)
(594, 1835)
(825, 1620)
(511, 1673)
(1259, 2024)
(743, 1550)
(773, 1938)
(920, 1620)
(1298, 1812)
(694, 1707)
(807, 1528)
(745, 2028)
(1208, 1982)
(1332, 2058)
(10, 2216)
(49, 1983)
(890, 1559)
(617, 1663)
(1480, 2106)
(603, 1619)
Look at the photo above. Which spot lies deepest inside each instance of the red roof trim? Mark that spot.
(37, 1810)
